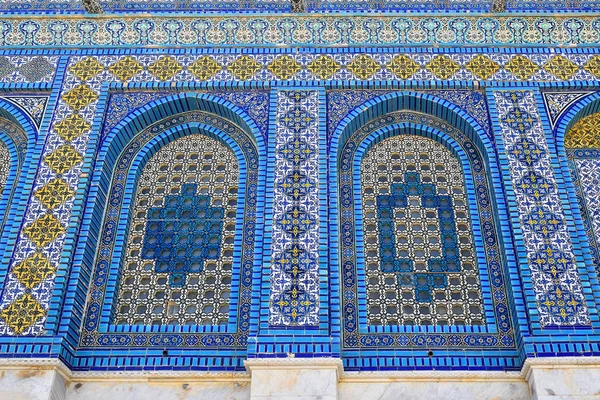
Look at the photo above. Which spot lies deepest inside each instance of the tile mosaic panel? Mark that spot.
(5, 162)
(554, 274)
(420, 259)
(558, 102)
(411, 5)
(174, 276)
(28, 69)
(142, 6)
(294, 297)
(34, 106)
(179, 252)
(358, 335)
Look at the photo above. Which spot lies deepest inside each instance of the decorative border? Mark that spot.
(301, 30)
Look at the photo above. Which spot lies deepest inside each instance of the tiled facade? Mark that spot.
(171, 202)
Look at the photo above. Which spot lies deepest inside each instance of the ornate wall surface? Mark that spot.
(306, 199)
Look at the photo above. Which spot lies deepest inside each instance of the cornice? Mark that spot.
(332, 30)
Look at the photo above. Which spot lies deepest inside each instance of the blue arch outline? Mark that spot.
(14, 197)
(71, 318)
(460, 119)
(405, 129)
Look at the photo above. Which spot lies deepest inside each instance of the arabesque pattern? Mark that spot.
(556, 281)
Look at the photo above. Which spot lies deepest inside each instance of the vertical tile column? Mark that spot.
(294, 298)
(553, 276)
(298, 315)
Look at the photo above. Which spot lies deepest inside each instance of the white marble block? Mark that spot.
(32, 384)
(572, 378)
(294, 378)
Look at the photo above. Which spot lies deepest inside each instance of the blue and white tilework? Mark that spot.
(554, 274)
(558, 102)
(294, 298)
(34, 106)
(420, 260)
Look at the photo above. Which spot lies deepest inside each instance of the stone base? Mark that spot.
(294, 378)
(304, 379)
(569, 378)
(41, 380)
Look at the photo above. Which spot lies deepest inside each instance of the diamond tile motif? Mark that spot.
(79, 97)
(363, 66)
(72, 127)
(522, 67)
(37, 69)
(165, 68)
(561, 67)
(44, 231)
(443, 66)
(555, 279)
(534, 185)
(585, 134)
(324, 67)
(87, 68)
(593, 66)
(6, 67)
(63, 159)
(22, 313)
(284, 67)
(403, 66)
(54, 193)
(33, 270)
(244, 67)
(205, 68)
(126, 68)
(482, 67)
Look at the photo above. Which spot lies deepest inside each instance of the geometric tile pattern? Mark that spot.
(28, 69)
(427, 278)
(555, 278)
(271, 30)
(33, 270)
(160, 286)
(585, 134)
(55, 193)
(294, 297)
(183, 300)
(357, 251)
(557, 102)
(21, 314)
